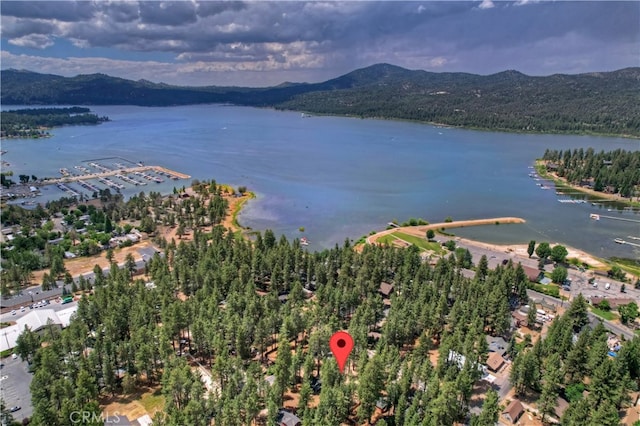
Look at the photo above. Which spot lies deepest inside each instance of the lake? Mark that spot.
(342, 177)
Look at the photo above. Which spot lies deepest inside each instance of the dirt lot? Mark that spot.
(146, 400)
(82, 265)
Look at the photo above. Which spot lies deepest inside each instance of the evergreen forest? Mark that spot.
(615, 172)
(591, 103)
(30, 122)
(256, 316)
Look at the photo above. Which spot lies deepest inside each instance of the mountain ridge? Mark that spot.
(596, 102)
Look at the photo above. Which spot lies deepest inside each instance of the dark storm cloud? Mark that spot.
(209, 8)
(334, 37)
(61, 10)
(121, 12)
(168, 13)
(19, 28)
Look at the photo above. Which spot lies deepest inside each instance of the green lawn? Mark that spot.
(417, 241)
(549, 289)
(629, 265)
(152, 401)
(608, 315)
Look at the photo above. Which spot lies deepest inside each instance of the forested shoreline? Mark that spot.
(232, 305)
(612, 172)
(33, 122)
(604, 103)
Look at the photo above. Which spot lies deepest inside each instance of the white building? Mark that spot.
(35, 320)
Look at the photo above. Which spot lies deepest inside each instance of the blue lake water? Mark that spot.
(342, 177)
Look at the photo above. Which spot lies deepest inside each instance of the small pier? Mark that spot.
(68, 190)
(100, 167)
(138, 170)
(620, 218)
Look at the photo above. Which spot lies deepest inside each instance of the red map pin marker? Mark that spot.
(341, 344)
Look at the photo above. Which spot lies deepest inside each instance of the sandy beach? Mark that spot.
(518, 250)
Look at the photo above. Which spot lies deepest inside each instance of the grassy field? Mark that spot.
(417, 241)
(153, 401)
(549, 289)
(608, 315)
(628, 265)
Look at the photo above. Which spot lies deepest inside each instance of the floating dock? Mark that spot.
(138, 170)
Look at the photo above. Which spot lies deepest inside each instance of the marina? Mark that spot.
(89, 178)
(106, 172)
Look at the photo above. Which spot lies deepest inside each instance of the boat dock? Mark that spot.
(66, 189)
(108, 173)
(621, 241)
(620, 218)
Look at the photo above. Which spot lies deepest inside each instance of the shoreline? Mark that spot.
(519, 250)
(543, 173)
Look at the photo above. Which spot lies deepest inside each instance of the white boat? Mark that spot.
(619, 241)
(304, 241)
(594, 216)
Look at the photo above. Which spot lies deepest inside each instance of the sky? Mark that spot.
(265, 43)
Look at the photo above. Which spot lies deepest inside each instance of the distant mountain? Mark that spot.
(599, 103)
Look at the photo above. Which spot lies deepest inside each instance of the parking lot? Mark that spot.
(14, 387)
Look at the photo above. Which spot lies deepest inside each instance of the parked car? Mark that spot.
(15, 408)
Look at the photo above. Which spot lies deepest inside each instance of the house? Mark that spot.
(382, 404)
(561, 407)
(286, 418)
(495, 361)
(513, 411)
(552, 167)
(616, 302)
(468, 273)
(117, 420)
(533, 274)
(385, 289)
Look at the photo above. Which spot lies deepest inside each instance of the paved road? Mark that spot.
(55, 305)
(615, 328)
(35, 293)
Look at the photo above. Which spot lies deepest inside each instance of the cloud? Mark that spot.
(34, 41)
(168, 13)
(324, 38)
(67, 11)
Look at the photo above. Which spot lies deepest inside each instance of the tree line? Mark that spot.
(246, 314)
(30, 122)
(573, 363)
(615, 171)
(605, 103)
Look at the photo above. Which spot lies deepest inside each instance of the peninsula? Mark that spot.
(34, 122)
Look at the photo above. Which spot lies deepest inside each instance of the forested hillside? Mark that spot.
(612, 172)
(601, 103)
